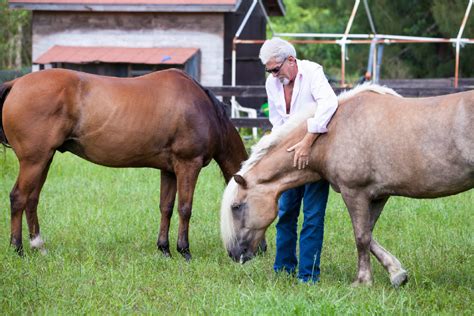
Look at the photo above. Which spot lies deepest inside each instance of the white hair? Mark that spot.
(276, 48)
(227, 223)
(367, 86)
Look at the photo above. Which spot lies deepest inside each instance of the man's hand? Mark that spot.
(302, 150)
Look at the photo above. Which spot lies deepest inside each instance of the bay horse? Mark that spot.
(378, 145)
(162, 120)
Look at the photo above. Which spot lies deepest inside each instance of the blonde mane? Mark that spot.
(268, 141)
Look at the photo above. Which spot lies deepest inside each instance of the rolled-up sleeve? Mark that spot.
(326, 101)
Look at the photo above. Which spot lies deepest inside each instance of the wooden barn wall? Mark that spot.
(201, 30)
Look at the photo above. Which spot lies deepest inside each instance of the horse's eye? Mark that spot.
(235, 207)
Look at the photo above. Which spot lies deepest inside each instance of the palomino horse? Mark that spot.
(378, 145)
(163, 120)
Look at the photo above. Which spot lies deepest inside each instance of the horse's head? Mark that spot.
(247, 209)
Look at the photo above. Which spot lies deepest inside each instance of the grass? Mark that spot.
(101, 225)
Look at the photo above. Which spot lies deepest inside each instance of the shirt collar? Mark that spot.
(300, 69)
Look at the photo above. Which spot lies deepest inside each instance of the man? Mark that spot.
(293, 86)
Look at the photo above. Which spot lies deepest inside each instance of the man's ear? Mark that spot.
(240, 180)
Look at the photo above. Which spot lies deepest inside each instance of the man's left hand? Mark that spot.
(302, 150)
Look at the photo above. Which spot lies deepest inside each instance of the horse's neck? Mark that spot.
(276, 168)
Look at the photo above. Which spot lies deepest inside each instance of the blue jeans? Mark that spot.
(315, 197)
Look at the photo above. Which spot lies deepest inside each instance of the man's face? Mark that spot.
(283, 70)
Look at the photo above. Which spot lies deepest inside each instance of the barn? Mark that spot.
(128, 38)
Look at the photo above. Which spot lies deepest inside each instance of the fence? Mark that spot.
(406, 88)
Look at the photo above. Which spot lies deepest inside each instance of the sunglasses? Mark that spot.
(276, 69)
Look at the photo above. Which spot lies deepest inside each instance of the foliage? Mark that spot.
(437, 18)
(15, 37)
(100, 226)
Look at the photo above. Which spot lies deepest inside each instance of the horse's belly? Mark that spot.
(405, 177)
(117, 156)
(424, 183)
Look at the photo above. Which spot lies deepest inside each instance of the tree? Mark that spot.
(438, 18)
(448, 25)
(15, 37)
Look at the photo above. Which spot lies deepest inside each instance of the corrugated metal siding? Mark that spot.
(82, 55)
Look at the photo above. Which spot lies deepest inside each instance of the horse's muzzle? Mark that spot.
(240, 254)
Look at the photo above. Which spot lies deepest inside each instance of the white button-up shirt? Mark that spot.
(311, 88)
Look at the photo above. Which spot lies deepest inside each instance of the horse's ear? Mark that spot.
(240, 180)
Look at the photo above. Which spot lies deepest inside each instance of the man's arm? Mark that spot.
(326, 101)
(326, 106)
(274, 116)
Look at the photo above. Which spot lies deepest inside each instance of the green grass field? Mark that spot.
(100, 226)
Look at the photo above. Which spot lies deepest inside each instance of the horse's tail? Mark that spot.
(4, 90)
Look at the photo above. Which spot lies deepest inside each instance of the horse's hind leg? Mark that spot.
(398, 276)
(17, 205)
(36, 242)
(167, 198)
(25, 195)
(187, 173)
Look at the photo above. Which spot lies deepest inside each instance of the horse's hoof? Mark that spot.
(17, 245)
(38, 244)
(165, 251)
(187, 257)
(18, 248)
(399, 279)
(19, 251)
(42, 251)
(166, 254)
(360, 283)
(185, 253)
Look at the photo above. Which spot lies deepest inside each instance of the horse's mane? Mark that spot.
(344, 96)
(278, 133)
(218, 105)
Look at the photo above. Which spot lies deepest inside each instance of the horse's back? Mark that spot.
(113, 121)
(414, 146)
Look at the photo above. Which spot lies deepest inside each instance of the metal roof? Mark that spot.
(273, 7)
(128, 5)
(82, 55)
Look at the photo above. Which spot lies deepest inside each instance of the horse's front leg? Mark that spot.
(358, 206)
(167, 198)
(186, 173)
(398, 275)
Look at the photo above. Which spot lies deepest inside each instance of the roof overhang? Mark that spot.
(128, 5)
(129, 55)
